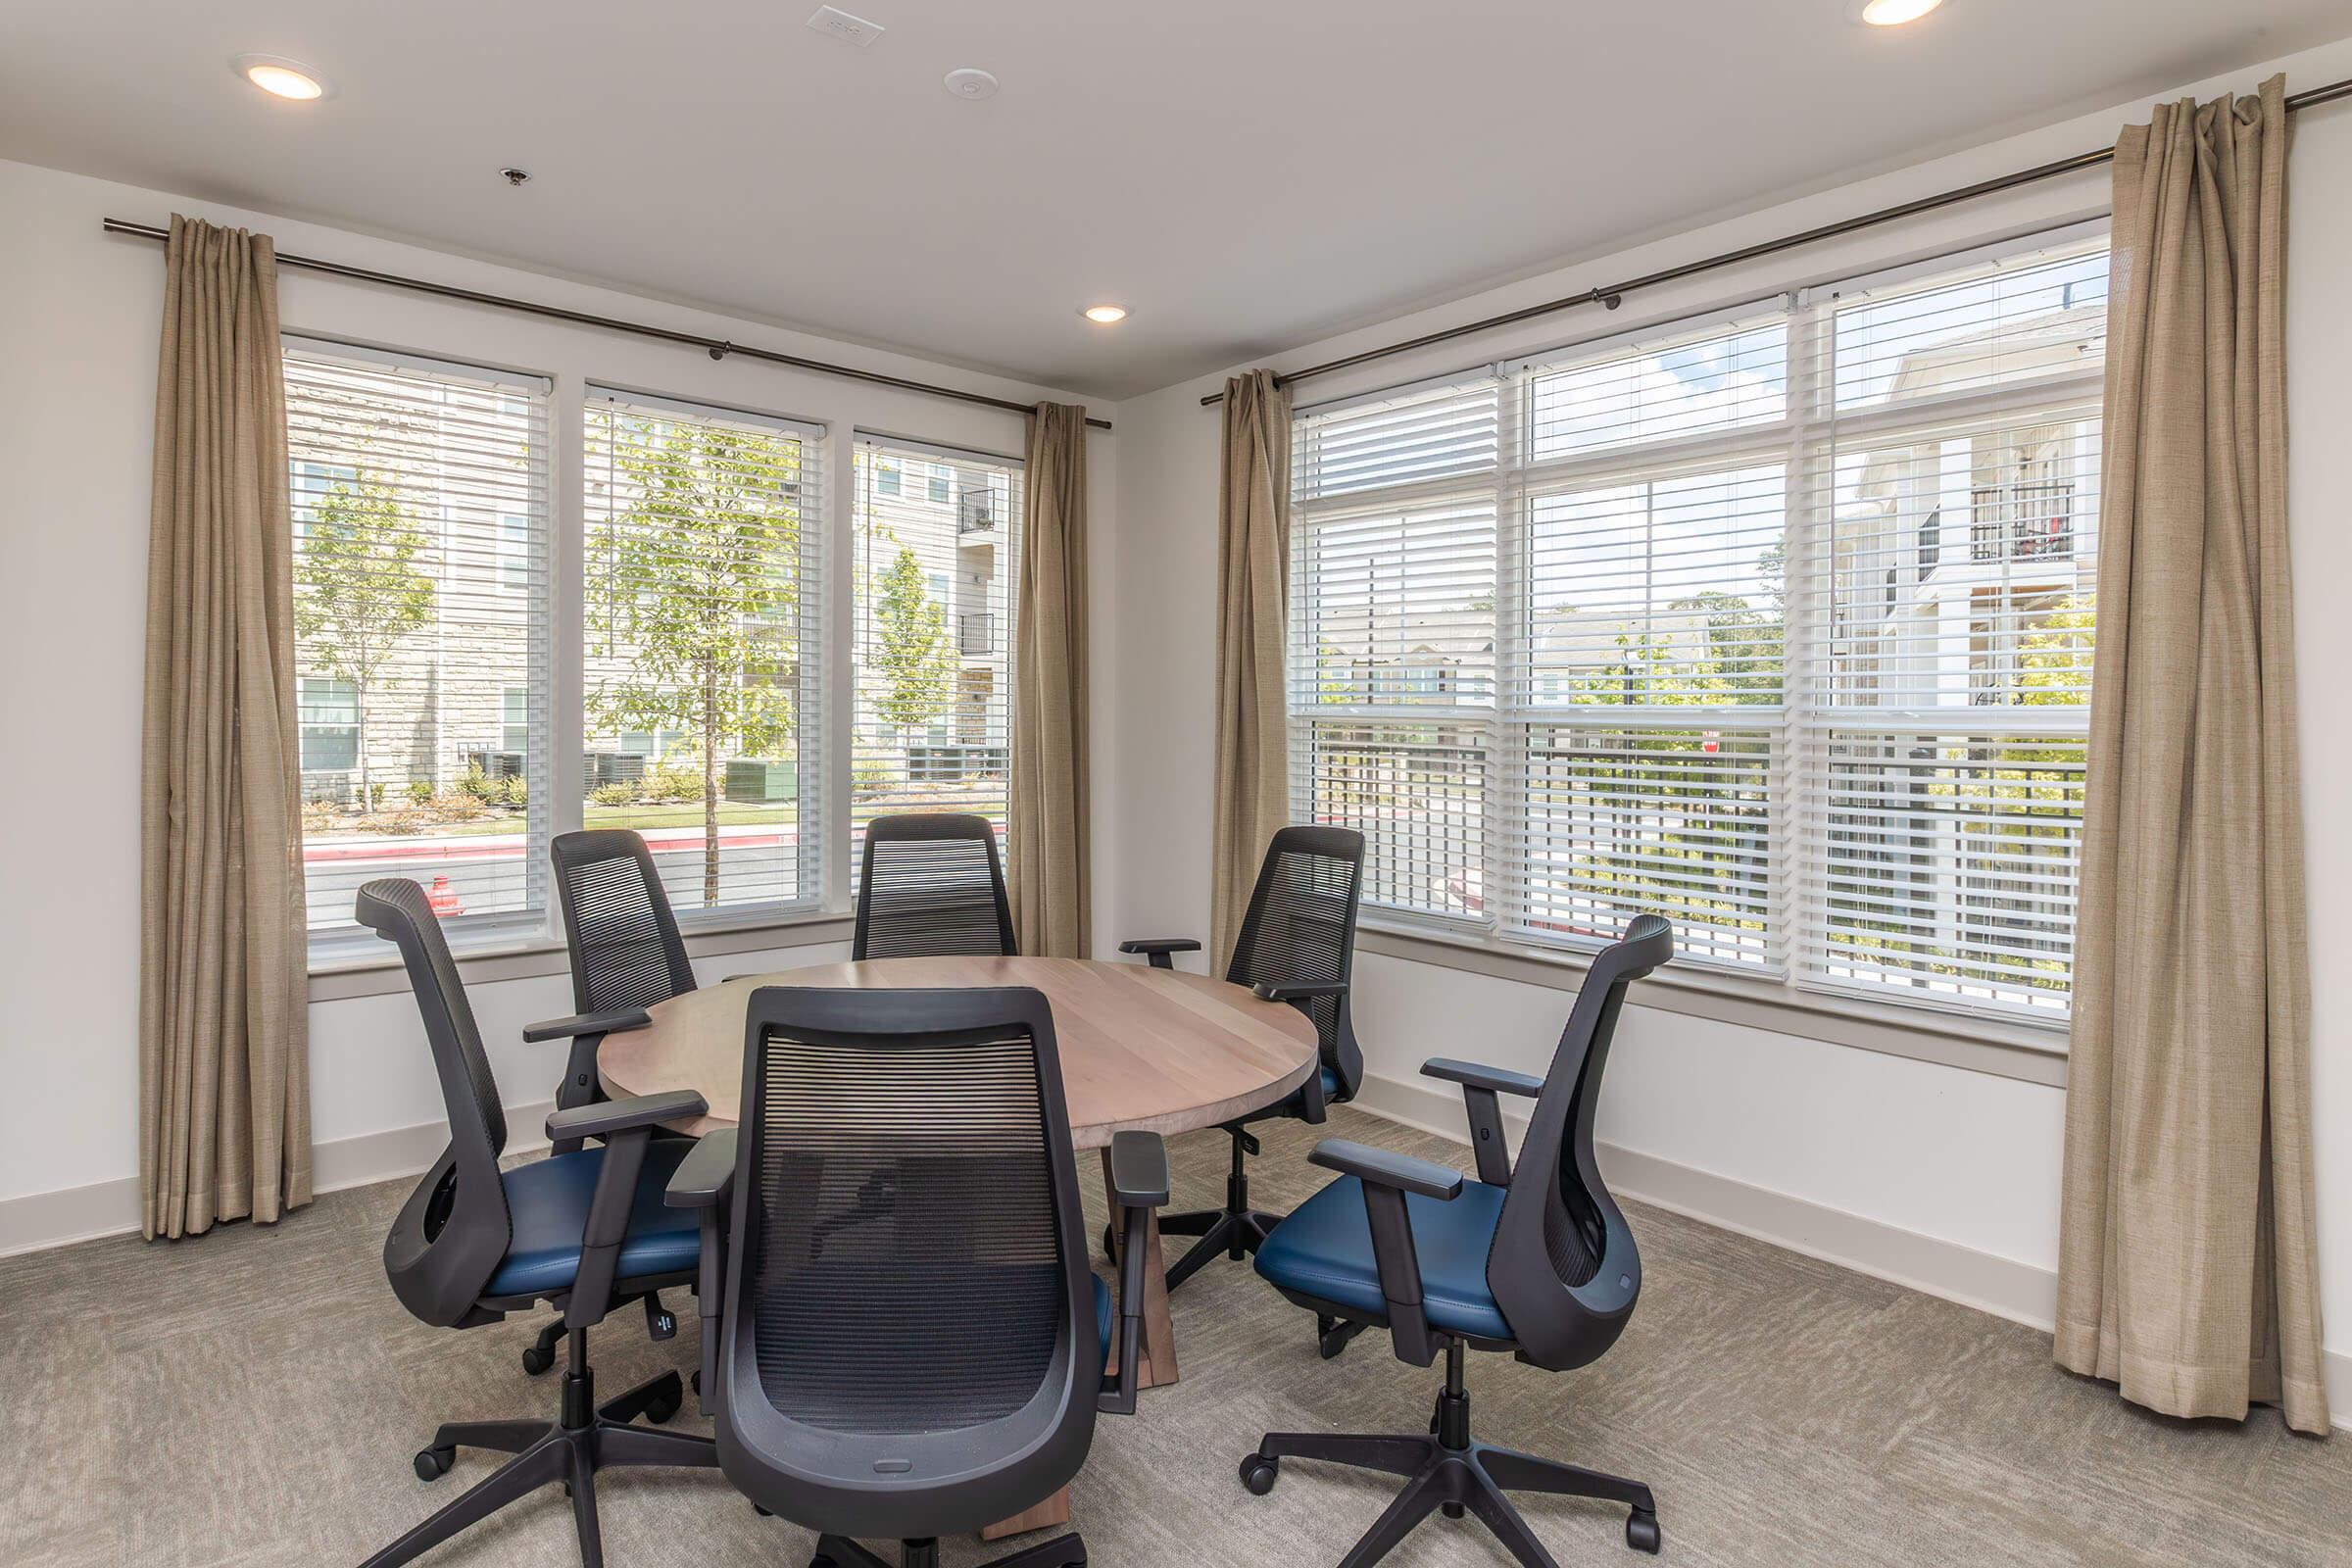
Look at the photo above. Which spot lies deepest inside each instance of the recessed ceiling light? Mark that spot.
(970, 82)
(1105, 315)
(281, 78)
(1892, 13)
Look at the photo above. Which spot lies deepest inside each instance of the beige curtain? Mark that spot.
(1253, 562)
(2187, 1269)
(1048, 834)
(225, 1121)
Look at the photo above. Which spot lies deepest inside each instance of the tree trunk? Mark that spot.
(710, 786)
(358, 736)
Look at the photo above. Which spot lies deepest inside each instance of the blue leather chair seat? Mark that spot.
(1103, 1314)
(1324, 1250)
(547, 1204)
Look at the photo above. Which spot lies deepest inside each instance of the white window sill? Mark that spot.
(342, 977)
(1996, 1045)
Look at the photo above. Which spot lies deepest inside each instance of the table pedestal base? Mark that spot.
(1154, 1362)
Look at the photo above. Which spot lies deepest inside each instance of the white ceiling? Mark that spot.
(1242, 176)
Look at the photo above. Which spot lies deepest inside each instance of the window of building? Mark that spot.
(1778, 624)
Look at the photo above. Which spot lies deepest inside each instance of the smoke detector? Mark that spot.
(970, 83)
(835, 23)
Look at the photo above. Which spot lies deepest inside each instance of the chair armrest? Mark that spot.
(626, 1126)
(706, 1177)
(1299, 990)
(705, 1180)
(587, 1023)
(1383, 1168)
(1386, 1178)
(1471, 1075)
(609, 1117)
(1139, 1184)
(1157, 949)
(1481, 1085)
(1138, 1170)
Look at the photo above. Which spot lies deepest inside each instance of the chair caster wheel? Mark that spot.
(661, 1410)
(1110, 1250)
(697, 1383)
(765, 1514)
(1332, 1335)
(535, 1360)
(433, 1464)
(1258, 1473)
(1641, 1531)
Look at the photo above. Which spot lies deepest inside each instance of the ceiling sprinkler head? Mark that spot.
(515, 177)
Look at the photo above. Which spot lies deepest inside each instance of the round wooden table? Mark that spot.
(1155, 1049)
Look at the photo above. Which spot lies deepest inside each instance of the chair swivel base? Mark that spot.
(571, 1449)
(1237, 1230)
(838, 1552)
(1447, 1470)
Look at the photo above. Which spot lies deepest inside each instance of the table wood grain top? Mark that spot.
(1155, 1049)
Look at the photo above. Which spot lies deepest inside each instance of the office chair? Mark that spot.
(1297, 944)
(931, 884)
(586, 1231)
(627, 955)
(908, 1342)
(1536, 1261)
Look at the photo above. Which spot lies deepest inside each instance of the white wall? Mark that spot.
(1885, 1161)
(81, 314)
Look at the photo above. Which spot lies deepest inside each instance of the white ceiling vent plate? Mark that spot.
(836, 22)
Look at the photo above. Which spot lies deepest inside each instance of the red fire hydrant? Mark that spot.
(443, 899)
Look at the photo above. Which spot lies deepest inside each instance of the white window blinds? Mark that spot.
(934, 532)
(1952, 488)
(1778, 624)
(419, 503)
(703, 644)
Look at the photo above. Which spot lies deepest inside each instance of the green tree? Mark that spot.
(913, 652)
(358, 590)
(697, 568)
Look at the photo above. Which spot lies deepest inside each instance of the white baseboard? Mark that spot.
(39, 1221)
(2006, 1287)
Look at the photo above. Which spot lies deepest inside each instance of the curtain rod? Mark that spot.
(1612, 295)
(719, 347)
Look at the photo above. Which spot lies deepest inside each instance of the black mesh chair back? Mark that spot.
(909, 1345)
(1563, 1268)
(1300, 927)
(453, 1234)
(931, 885)
(624, 943)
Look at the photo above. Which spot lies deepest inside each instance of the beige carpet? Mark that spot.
(252, 1398)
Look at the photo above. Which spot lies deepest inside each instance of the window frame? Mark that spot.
(521, 393)
(1493, 940)
(815, 852)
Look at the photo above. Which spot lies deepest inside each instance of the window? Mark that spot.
(934, 597)
(405, 475)
(1778, 624)
(328, 715)
(703, 646)
(515, 737)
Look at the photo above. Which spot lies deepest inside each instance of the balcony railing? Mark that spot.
(976, 633)
(2022, 522)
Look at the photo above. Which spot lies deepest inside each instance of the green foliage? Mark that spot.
(420, 791)
(692, 583)
(871, 775)
(477, 785)
(912, 651)
(516, 790)
(613, 793)
(359, 590)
